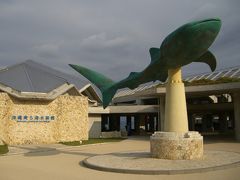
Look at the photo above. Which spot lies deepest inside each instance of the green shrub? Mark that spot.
(3, 149)
(92, 141)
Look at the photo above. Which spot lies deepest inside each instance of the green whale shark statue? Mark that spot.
(189, 43)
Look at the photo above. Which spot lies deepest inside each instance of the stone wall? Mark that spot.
(63, 119)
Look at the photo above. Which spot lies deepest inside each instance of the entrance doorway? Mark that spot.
(132, 124)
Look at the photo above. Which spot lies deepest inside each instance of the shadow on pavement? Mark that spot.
(48, 151)
(219, 139)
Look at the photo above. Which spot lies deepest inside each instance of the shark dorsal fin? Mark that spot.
(155, 54)
(132, 74)
(209, 59)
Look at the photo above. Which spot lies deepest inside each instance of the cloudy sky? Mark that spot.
(110, 36)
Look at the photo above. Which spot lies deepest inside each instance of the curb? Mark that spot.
(87, 164)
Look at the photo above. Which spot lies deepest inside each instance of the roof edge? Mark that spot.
(92, 90)
(39, 96)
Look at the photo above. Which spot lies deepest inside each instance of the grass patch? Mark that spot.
(3, 149)
(92, 141)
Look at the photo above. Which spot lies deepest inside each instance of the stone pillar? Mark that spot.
(236, 101)
(176, 110)
(161, 113)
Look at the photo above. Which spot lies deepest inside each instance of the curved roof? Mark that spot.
(31, 76)
(32, 80)
(233, 72)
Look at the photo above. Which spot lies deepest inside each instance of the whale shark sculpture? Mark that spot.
(189, 43)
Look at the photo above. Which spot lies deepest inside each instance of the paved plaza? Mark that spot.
(65, 162)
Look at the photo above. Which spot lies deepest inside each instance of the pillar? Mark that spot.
(190, 121)
(176, 110)
(139, 101)
(161, 113)
(175, 141)
(223, 122)
(236, 101)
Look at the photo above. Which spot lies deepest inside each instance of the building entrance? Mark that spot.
(212, 123)
(132, 124)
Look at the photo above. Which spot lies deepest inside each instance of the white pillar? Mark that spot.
(175, 142)
(139, 101)
(176, 110)
(236, 101)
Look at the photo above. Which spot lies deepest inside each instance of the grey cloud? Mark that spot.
(110, 36)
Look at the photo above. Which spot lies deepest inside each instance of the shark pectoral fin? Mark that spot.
(162, 76)
(154, 53)
(209, 59)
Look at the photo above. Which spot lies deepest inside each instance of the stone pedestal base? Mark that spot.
(176, 146)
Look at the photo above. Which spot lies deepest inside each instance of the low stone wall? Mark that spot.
(124, 133)
(111, 134)
(38, 122)
(176, 146)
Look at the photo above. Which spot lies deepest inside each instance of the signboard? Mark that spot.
(33, 118)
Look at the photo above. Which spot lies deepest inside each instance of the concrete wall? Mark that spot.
(94, 125)
(70, 121)
(111, 134)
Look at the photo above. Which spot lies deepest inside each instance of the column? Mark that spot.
(176, 110)
(190, 122)
(175, 141)
(139, 101)
(236, 101)
(161, 113)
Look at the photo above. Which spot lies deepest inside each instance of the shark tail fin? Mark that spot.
(102, 82)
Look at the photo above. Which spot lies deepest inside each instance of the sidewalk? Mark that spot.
(55, 162)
